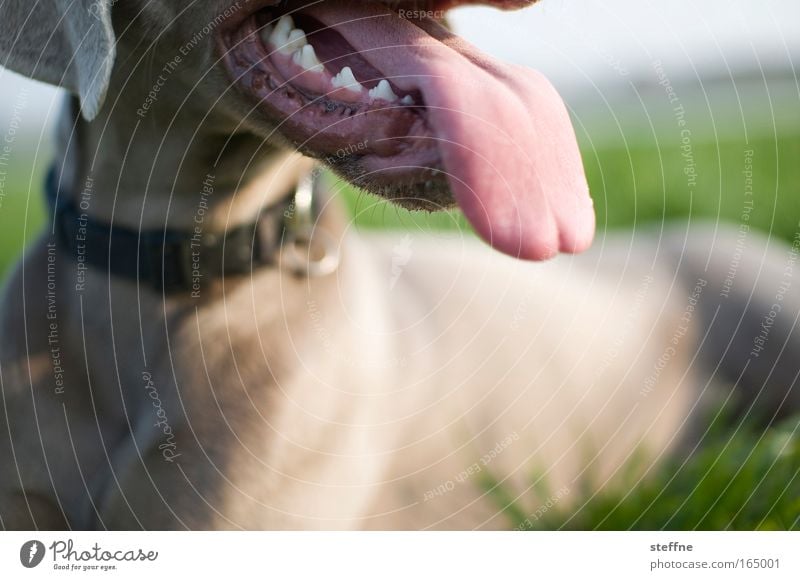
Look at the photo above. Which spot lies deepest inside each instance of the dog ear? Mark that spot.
(69, 43)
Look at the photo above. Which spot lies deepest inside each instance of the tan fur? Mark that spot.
(350, 401)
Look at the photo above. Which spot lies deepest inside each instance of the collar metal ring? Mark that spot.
(307, 250)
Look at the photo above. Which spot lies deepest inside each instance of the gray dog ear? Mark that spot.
(69, 43)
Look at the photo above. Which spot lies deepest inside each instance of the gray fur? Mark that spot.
(69, 43)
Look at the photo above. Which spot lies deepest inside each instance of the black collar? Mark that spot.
(169, 261)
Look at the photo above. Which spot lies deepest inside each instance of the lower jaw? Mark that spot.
(387, 149)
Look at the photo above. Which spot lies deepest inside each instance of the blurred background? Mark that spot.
(628, 69)
(668, 98)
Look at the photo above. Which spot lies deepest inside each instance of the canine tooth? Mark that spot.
(266, 33)
(383, 91)
(280, 36)
(296, 41)
(346, 80)
(306, 57)
(408, 100)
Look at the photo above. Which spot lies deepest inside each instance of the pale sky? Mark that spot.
(575, 40)
(582, 43)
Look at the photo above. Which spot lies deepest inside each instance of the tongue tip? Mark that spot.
(579, 237)
(538, 245)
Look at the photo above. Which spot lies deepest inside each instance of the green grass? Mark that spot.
(649, 183)
(746, 480)
(21, 215)
(646, 183)
(749, 480)
(738, 479)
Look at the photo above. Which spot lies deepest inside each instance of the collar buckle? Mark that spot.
(307, 250)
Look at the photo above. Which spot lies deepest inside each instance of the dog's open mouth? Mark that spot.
(398, 105)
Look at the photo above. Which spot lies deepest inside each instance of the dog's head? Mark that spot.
(380, 91)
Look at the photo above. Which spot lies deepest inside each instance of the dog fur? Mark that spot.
(358, 400)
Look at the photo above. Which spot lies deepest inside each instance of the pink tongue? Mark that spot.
(503, 133)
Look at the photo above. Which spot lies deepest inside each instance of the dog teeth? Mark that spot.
(297, 40)
(280, 35)
(292, 41)
(306, 57)
(383, 92)
(346, 80)
(285, 37)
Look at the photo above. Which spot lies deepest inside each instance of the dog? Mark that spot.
(199, 340)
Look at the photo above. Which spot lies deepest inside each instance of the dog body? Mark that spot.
(385, 395)
(284, 446)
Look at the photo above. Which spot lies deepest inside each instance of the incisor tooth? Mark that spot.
(346, 80)
(296, 41)
(280, 36)
(306, 57)
(408, 100)
(383, 91)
